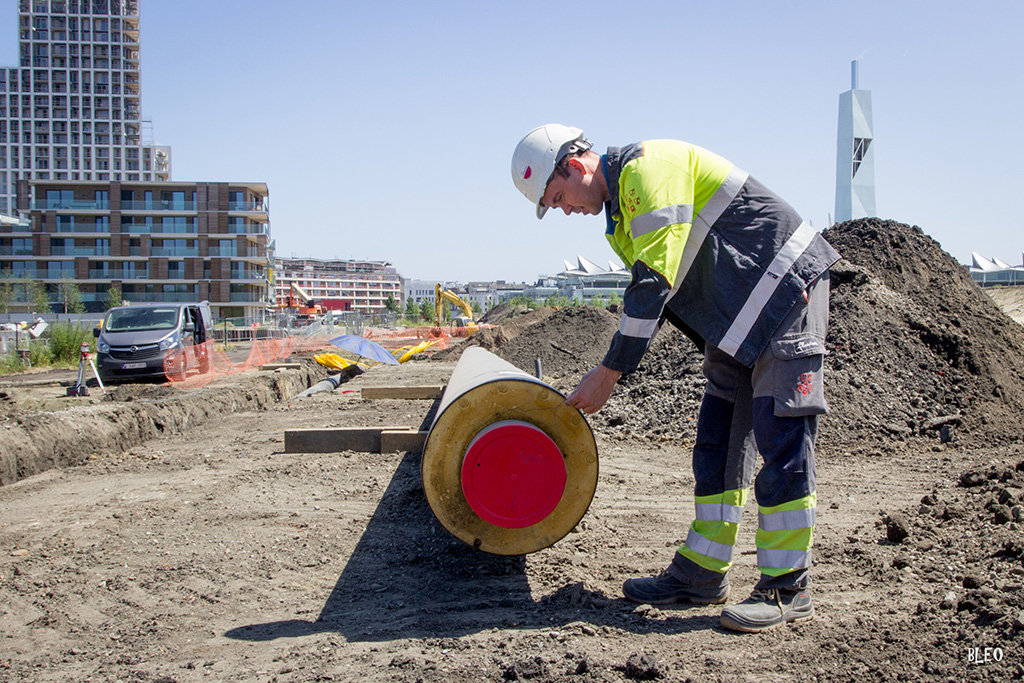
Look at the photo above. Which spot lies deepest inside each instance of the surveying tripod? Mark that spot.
(79, 388)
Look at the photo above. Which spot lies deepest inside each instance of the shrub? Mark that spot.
(39, 353)
(10, 363)
(66, 341)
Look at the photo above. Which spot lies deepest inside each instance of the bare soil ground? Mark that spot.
(162, 534)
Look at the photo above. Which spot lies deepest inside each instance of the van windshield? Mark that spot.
(131, 319)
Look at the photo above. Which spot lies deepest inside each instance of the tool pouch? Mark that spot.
(796, 375)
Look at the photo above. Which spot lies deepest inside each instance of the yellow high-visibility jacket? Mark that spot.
(708, 247)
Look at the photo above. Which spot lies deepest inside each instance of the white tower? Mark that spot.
(855, 154)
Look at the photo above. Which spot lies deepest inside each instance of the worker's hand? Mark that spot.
(594, 389)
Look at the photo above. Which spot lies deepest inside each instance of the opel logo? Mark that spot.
(134, 349)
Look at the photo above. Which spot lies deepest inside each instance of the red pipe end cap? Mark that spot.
(513, 475)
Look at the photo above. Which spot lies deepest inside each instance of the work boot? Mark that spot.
(666, 588)
(767, 608)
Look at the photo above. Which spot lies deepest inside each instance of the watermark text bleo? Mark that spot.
(984, 655)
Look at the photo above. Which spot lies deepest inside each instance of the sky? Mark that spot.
(385, 130)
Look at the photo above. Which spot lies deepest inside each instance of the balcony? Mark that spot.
(160, 229)
(59, 273)
(79, 251)
(19, 276)
(223, 252)
(158, 205)
(159, 297)
(21, 225)
(246, 298)
(248, 275)
(173, 251)
(83, 227)
(114, 274)
(71, 204)
(15, 251)
(252, 229)
(257, 206)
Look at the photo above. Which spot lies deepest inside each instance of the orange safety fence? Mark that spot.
(393, 339)
(198, 365)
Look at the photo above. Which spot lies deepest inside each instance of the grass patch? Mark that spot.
(65, 342)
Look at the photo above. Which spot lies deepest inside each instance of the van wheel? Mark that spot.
(179, 375)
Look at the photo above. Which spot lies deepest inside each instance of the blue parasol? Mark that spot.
(361, 346)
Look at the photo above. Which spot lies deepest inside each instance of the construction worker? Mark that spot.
(717, 254)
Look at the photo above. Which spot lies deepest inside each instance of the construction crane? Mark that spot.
(442, 295)
(301, 303)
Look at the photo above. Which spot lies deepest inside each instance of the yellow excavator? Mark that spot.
(441, 296)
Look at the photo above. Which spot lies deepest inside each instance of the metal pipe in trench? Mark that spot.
(507, 467)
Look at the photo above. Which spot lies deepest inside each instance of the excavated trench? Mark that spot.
(49, 431)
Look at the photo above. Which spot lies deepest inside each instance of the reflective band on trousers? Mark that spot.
(770, 558)
(660, 218)
(707, 216)
(637, 327)
(786, 520)
(719, 512)
(795, 246)
(703, 546)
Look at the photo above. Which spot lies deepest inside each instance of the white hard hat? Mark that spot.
(536, 155)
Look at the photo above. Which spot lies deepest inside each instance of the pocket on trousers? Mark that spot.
(797, 382)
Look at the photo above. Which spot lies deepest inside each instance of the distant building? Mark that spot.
(71, 109)
(167, 241)
(417, 290)
(339, 284)
(485, 295)
(855, 154)
(580, 282)
(992, 271)
(587, 280)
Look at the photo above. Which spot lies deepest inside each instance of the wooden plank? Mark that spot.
(281, 366)
(336, 439)
(418, 392)
(399, 441)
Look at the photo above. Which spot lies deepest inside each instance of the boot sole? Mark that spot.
(733, 625)
(679, 600)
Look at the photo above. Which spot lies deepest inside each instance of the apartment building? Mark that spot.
(166, 241)
(71, 109)
(338, 284)
(91, 194)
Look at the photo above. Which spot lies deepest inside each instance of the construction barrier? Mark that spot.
(200, 364)
(409, 336)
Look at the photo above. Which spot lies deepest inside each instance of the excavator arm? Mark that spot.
(440, 296)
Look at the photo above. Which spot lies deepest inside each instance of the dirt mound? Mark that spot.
(502, 312)
(916, 349)
(568, 341)
(510, 321)
(661, 399)
(915, 344)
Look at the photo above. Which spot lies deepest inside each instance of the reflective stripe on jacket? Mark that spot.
(724, 254)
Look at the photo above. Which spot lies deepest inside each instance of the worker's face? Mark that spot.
(574, 193)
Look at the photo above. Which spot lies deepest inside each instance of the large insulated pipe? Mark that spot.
(507, 467)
